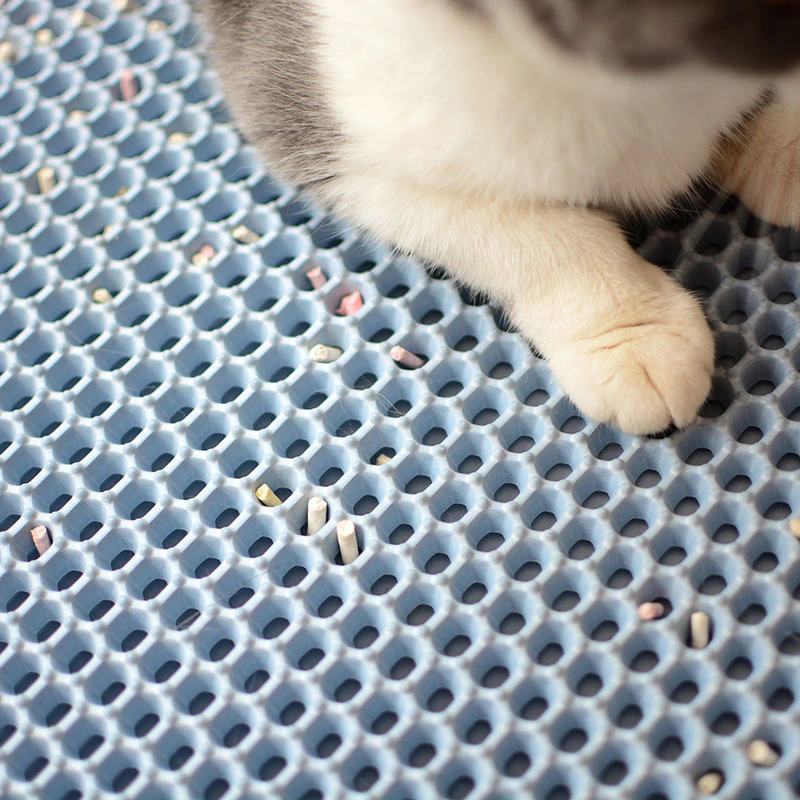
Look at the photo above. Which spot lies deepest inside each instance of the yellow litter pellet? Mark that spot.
(794, 527)
(101, 295)
(156, 26)
(46, 178)
(177, 138)
(324, 353)
(317, 515)
(244, 235)
(76, 115)
(123, 190)
(267, 497)
(710, 783)
(348, 542)
(7, 52)
(203, 255)
(80, 17)
(43, 37)
(383, 459)
(761, 753)
(699, 630)
(41, 539)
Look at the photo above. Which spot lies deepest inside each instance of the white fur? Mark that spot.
(479, 147)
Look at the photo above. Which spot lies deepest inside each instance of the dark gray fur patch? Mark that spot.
(747, 35)
(265, 53)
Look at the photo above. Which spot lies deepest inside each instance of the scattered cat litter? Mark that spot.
(43, 37)
(324, 353)
(79, 18)
(710, 783)
(41, 539)
(316, 277)
(122, 191)
(203, 255)
(101, 295)
(794, 527)
(177, 138)
(128, 87)
(699, 630)
(383, 459)
(650, 611)
(156, 26)
(406, 358)
(761, 753)
(348, 543)
(7, 52)
(267, 497)
(317, 514)
(76, 115)
(350, 304)
(46, 179)
(244, 235)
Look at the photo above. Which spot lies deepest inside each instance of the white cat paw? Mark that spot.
(643, 375)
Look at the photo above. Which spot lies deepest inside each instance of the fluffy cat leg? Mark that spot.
(629, 346)
(761, 164)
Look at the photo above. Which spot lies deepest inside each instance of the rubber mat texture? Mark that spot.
(179, 639)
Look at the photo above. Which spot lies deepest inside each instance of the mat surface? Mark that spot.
(179, 639)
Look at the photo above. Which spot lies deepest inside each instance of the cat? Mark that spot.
(501, 139)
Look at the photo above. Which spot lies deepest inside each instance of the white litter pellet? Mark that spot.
(650, 611)
(761, 753)
(203, 255)
(325, 353)
(406, 358)
(383, 459)
(316, 277)
(41, 539)
(156, 26)
(177, 138)
(101, 295)
(244, 235)
(267, 497)
(43, 37)
(699, 630)
(794, 527)
(46, 179)
(348, 542)
(710, 783)
(317, 514)
(8, 52)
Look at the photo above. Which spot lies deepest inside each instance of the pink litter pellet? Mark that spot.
(406, 358)
(128, 88)
(316, 277)
(650, 611)
(41, 539)
(350, 304)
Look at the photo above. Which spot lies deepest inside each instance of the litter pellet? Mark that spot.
(76, 115)
(324, 353)
(123, 190)
(203, 255)
(156, 26)
(710, 783)
(348, 543)
(316, 277)
(317, 514)
(650, 611)
(406, 358)
(7, 52)
(101, 295)
(761, 754)
(43, 37)
(41, 539)
(80, 17)
(244, 235)
(350, 304)
(267, 497)
(383, 459)
(177, 138)
(794, 527)
(128, 88)
(46, 178)
(699, 630)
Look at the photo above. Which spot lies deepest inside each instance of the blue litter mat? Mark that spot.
(179, 639)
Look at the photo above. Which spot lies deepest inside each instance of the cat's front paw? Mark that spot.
(762, 167)
(644, 374)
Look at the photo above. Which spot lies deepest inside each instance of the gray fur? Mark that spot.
(264, 53)
(747, 35)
